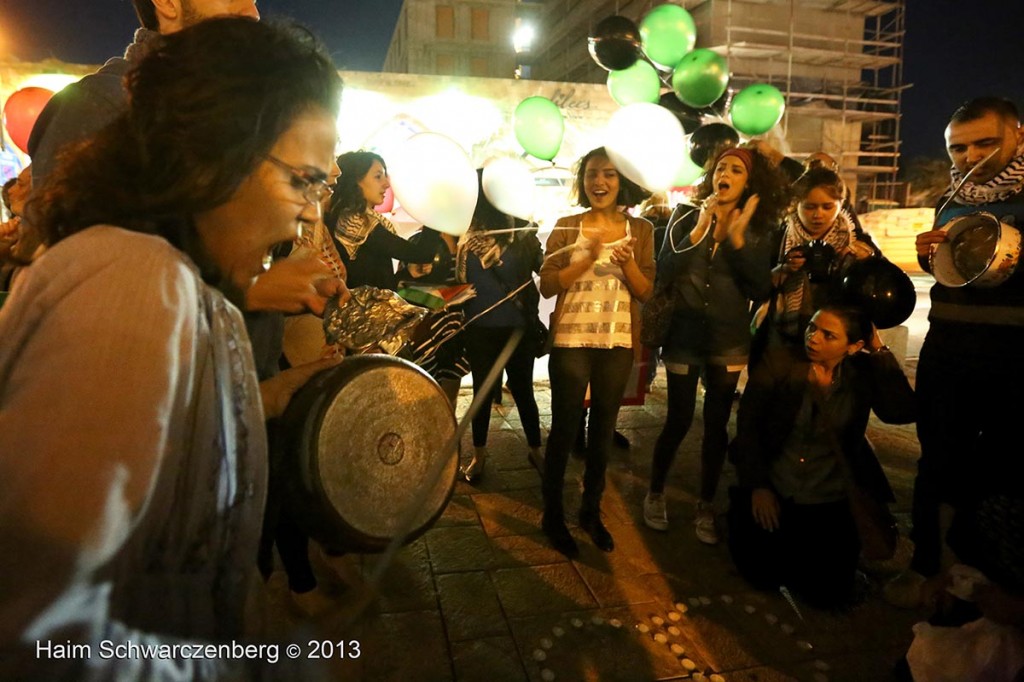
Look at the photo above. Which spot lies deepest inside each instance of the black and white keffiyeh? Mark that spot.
(1008, 182)
(353, 230)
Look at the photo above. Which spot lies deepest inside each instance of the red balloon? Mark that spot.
(21, 111)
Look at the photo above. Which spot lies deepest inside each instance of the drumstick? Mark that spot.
(433, 476)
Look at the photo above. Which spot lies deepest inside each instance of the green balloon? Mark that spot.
(667, 33)
(757, 108)
(689, 173)
(700, 78)
(539, 127)
(638, 83)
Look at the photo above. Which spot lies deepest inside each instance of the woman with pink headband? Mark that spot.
(716, 261)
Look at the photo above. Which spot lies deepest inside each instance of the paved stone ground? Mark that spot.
(481, 596)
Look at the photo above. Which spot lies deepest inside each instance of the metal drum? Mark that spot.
(361, 440)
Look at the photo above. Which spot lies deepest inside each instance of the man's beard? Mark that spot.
(189, 15)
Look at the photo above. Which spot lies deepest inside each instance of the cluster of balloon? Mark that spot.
(508, 184)
(615, 43)
(882, 289)
(641, 140)
(756, 109)
(690, 118)
(637, 83)
(434, 180)
(709, 140)
(539, 127)
(21, 111)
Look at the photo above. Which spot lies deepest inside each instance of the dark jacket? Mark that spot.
(373, 264)
(712, 293)
(773, 397)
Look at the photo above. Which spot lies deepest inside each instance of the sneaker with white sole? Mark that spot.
(655, 515)
(704, 524)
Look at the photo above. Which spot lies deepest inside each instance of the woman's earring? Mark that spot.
(268, 260)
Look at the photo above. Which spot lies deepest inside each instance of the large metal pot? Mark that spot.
(979, 251)
(361, 438)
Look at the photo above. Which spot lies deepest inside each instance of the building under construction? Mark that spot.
(839, 64)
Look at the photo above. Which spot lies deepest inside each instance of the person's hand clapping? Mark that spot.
(739, 221)
(623, 253)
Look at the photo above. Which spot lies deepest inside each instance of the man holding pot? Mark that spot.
(970, 378)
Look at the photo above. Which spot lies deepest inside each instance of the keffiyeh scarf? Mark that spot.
(354, 229)
(488, 248)
(795, 293)
(1008, 182)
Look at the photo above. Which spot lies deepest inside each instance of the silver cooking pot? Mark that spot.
(979, 251)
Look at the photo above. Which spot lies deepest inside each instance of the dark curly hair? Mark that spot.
(630, 193)
(767, 182)
(146, 12)
(348, 195)
(205, 107)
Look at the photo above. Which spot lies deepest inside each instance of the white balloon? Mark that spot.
(508, 184)
(434, 180)
(644, 141)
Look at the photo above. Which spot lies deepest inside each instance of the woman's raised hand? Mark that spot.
(765, 505)
(707, 212)
(739, 220)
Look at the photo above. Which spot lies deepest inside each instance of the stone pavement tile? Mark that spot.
(469, 604)
(594, 645)
(871, 664)
(516, 512)
(763, 674)
(511, 551)
(522, 479)
(459, 549)
(637, 417)
(610, 587)
(668, 589)
(405, 646)
(769, 628)
(536, 590)
(873, 624)
(494, 659)
(631, 557)
(460, 512)
(407, 583)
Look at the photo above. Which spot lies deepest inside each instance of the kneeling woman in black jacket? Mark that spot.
(800, 449)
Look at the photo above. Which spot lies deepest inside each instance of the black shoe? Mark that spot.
(559, 537)
(620, 440)
(591, 523)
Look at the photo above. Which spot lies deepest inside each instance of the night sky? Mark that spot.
(954, 49)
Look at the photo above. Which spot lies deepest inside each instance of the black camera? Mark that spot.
(820, 260)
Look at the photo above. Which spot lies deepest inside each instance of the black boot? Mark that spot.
(553, 525)
(590, 521)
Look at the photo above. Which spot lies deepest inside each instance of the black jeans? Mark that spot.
(483, 345)
(720, 388)
(970, 391)
(606, 370)
(813, 552)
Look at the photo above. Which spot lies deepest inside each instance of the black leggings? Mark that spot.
(483, 346)
(720, 385)
(606, 370)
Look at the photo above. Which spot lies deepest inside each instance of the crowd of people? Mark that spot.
(184, 207)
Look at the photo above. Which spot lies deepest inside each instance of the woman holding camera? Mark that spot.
(818, 242)
(716, 261)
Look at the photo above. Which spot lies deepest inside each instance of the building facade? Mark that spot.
(454, 38)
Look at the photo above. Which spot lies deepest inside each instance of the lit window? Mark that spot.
(480, 29)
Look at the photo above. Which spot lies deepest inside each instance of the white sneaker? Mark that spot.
(655, 515)
(704, 524)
